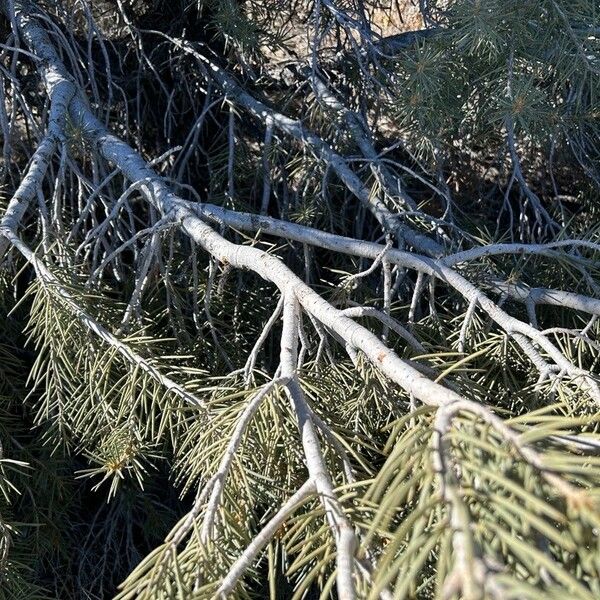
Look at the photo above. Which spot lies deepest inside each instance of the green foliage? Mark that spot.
(138, 458)
(531, 62)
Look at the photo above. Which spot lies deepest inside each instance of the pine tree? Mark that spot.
(299, 299)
